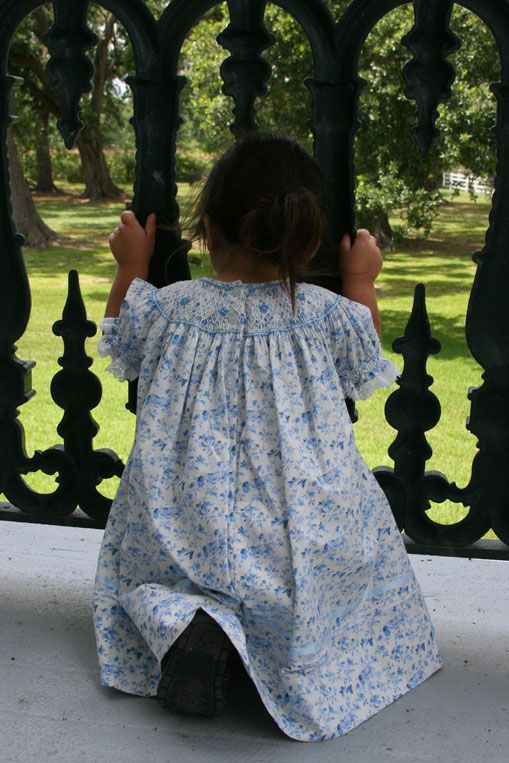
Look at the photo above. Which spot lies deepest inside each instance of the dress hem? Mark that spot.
(308, 737)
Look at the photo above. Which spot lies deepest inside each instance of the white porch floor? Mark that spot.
(52, 707)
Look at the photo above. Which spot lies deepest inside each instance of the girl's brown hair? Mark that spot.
(266, 195)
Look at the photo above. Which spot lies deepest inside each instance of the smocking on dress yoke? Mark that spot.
(245, 495)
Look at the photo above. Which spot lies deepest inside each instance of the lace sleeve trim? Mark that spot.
(107, 347)
(382, 373)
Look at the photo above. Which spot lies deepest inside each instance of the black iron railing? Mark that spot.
(335, 87)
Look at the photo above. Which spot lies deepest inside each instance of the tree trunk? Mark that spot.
(26, 218)
(98, 182)
(380, 227)
(43, 158)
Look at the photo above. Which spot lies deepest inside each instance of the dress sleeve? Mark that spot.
(124, 337)
(357, 351)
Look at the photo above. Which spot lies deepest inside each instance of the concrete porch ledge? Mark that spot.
(53, 708)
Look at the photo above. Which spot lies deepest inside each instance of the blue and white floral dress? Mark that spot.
(245, 495)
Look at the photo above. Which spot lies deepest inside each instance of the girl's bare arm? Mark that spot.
(132, 247)
(359, 265)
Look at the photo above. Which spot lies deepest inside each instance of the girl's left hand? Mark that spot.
(360, 260)
(132, 245)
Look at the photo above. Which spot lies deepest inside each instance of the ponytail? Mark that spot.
(286, 230)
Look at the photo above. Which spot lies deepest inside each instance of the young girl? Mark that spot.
(246, 515)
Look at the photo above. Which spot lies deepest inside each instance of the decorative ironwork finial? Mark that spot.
(69, 70)
(417, 344)
(77, 390)
(412, 410)
(245, 73)
(429, 75)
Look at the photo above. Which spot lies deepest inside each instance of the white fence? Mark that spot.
(465, 182)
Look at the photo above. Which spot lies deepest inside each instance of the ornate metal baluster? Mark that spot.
(156, 121)
(412, 410)
(69, 70)
(429, 75)
(335, 122)
(80, 468)
(15, 375)
(245, 74)
(77, 390)
(156, 89)
(488, 339)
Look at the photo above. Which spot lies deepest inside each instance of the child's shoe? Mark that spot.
(193, 670)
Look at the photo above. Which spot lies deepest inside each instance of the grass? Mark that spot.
(443, 263)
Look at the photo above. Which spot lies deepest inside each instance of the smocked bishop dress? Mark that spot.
(245, 495)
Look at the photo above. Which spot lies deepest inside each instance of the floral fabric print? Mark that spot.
(245, 495)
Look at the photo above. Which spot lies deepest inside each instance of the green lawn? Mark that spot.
(443, 263)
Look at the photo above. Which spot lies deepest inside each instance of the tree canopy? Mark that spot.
(391, 173)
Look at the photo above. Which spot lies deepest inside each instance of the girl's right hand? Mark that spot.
(361, 261)
(132, 246)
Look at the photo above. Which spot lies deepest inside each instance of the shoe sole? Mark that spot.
(192, 680)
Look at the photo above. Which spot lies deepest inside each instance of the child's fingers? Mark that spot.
(364, 238)
(150, 225)
(346, 243)
(128, 217)
(363, 233)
